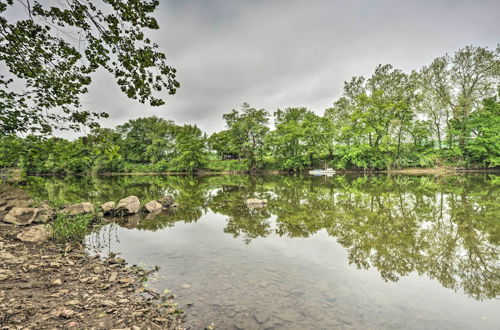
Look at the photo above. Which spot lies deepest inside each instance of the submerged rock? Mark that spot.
(152, 207)
(34, 234)
(128, 205)
(21, 216)
(79, 208)
(166, 201)
(108, 207)
(256, 201)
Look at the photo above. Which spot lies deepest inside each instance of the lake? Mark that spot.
(346, 252)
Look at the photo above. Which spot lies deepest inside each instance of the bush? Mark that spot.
(71, 228)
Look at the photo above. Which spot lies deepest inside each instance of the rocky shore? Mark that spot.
(45, 284)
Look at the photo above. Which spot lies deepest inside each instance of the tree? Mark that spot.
(190, 153)
(374, 118)
(458, 84)
(484, 126)
(221, 142)
(52, 51)
(147, 140)
(248, 129)
(300, 139)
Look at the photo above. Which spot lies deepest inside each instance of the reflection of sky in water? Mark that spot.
(279, 282)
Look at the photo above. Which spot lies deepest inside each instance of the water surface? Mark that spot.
(347, 252)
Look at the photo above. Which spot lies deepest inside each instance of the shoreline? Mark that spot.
(47, 284)
(407, 171)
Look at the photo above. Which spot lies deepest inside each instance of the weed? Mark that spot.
(67, 228)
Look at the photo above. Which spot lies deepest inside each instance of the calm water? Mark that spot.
(347, 252)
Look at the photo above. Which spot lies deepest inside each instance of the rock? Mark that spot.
(152, 207)
(255, 201)
(99, 269)
(113, 276)
(34, 234)
(260, 317)
(57, 282)
(128, 205)
(21, 216)
(73, 302)
(108, 207)
(108, 303)
(166, 201)
(185, 286)
(79, 208)
(44, 213)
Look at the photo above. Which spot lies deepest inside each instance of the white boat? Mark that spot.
(326, 171)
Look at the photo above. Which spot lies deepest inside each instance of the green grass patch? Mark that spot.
(72, 228)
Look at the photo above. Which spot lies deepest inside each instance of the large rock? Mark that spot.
(108, 207)
(128, 205)
(11, 197)
(34, 234)
(152, 207)
(44, 213)
(79, 208)
(21, 216)
(166, 201)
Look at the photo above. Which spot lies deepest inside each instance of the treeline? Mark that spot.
(446, 113)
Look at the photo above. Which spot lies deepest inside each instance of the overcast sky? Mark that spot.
(276, 54)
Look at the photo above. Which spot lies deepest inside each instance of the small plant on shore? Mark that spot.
(67, 228)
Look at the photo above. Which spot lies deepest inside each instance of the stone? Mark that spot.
(113, 276)
(260, 317)
(79, 208)
(34, 234)
(256, 201)
(166, 201)
(57, 282)
(99, 269)
(21, 216)
(185, 286)
(108, 207)
(44, 213)
(108, 303)
(152, 207)
(128, 205)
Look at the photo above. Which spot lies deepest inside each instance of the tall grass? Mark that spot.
(67, 228)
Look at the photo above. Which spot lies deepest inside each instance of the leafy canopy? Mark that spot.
(51, 49)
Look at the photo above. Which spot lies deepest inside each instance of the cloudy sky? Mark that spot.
(280, 53)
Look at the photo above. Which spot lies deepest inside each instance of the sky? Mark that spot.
(290, 53)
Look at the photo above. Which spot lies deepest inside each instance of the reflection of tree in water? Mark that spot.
(444, 227)
(242, 220)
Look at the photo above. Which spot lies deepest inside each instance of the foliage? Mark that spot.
(52, 52)
(67, 228)
(190, 153)
(247, 131)
(446, 114)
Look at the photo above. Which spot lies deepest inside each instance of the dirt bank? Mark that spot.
(50, 285)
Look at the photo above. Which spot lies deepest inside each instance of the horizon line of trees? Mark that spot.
(447, 113)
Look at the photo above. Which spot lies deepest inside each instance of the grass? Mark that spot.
(67, 228)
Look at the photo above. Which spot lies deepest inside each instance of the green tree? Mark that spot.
(457, 84)
(483, 147)
(248, 129)
(190, 149)
(52, 52)
(147, 140)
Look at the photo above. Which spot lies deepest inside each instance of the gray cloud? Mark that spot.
(275, 54)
